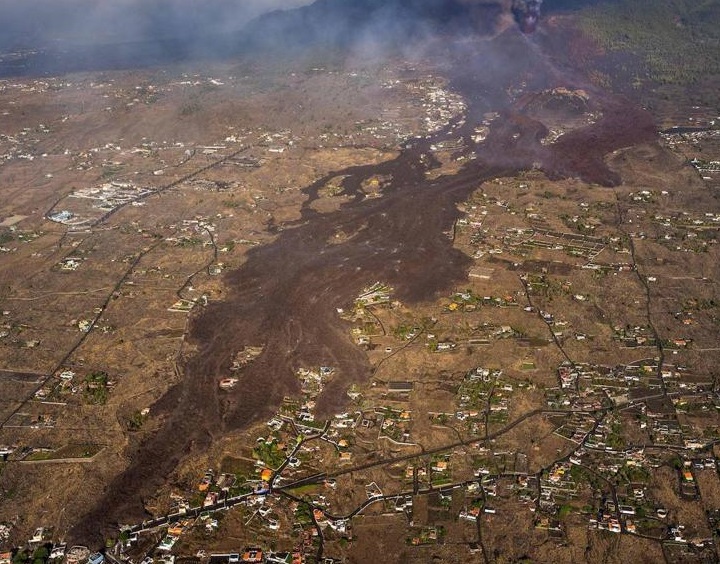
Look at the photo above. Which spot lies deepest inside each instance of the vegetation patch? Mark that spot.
(678, 40)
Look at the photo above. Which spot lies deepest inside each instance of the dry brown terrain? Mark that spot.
(517, 219)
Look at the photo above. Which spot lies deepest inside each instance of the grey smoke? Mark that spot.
(92, 35)
(42, 23)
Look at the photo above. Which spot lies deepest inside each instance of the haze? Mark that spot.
(40, 23)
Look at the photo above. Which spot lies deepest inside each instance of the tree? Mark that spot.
(564, 511)
(41, 554)
(676, 462)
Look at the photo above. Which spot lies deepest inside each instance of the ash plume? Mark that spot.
(412, 28)
(527, 14)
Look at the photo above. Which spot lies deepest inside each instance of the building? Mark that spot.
(96, 558)
(400, 387)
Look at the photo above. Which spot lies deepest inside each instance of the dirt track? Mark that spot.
(286, 294)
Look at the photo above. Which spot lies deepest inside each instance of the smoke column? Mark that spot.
(527, 14)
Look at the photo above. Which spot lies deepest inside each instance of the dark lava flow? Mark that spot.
(285, 296)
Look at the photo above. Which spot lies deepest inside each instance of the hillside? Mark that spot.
(678, 40)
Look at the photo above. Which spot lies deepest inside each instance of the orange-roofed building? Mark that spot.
(252, 555)
(176, 530)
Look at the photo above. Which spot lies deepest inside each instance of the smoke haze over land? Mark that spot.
(51, 37)
(44, 23)
(33, 23)
(47, 37)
